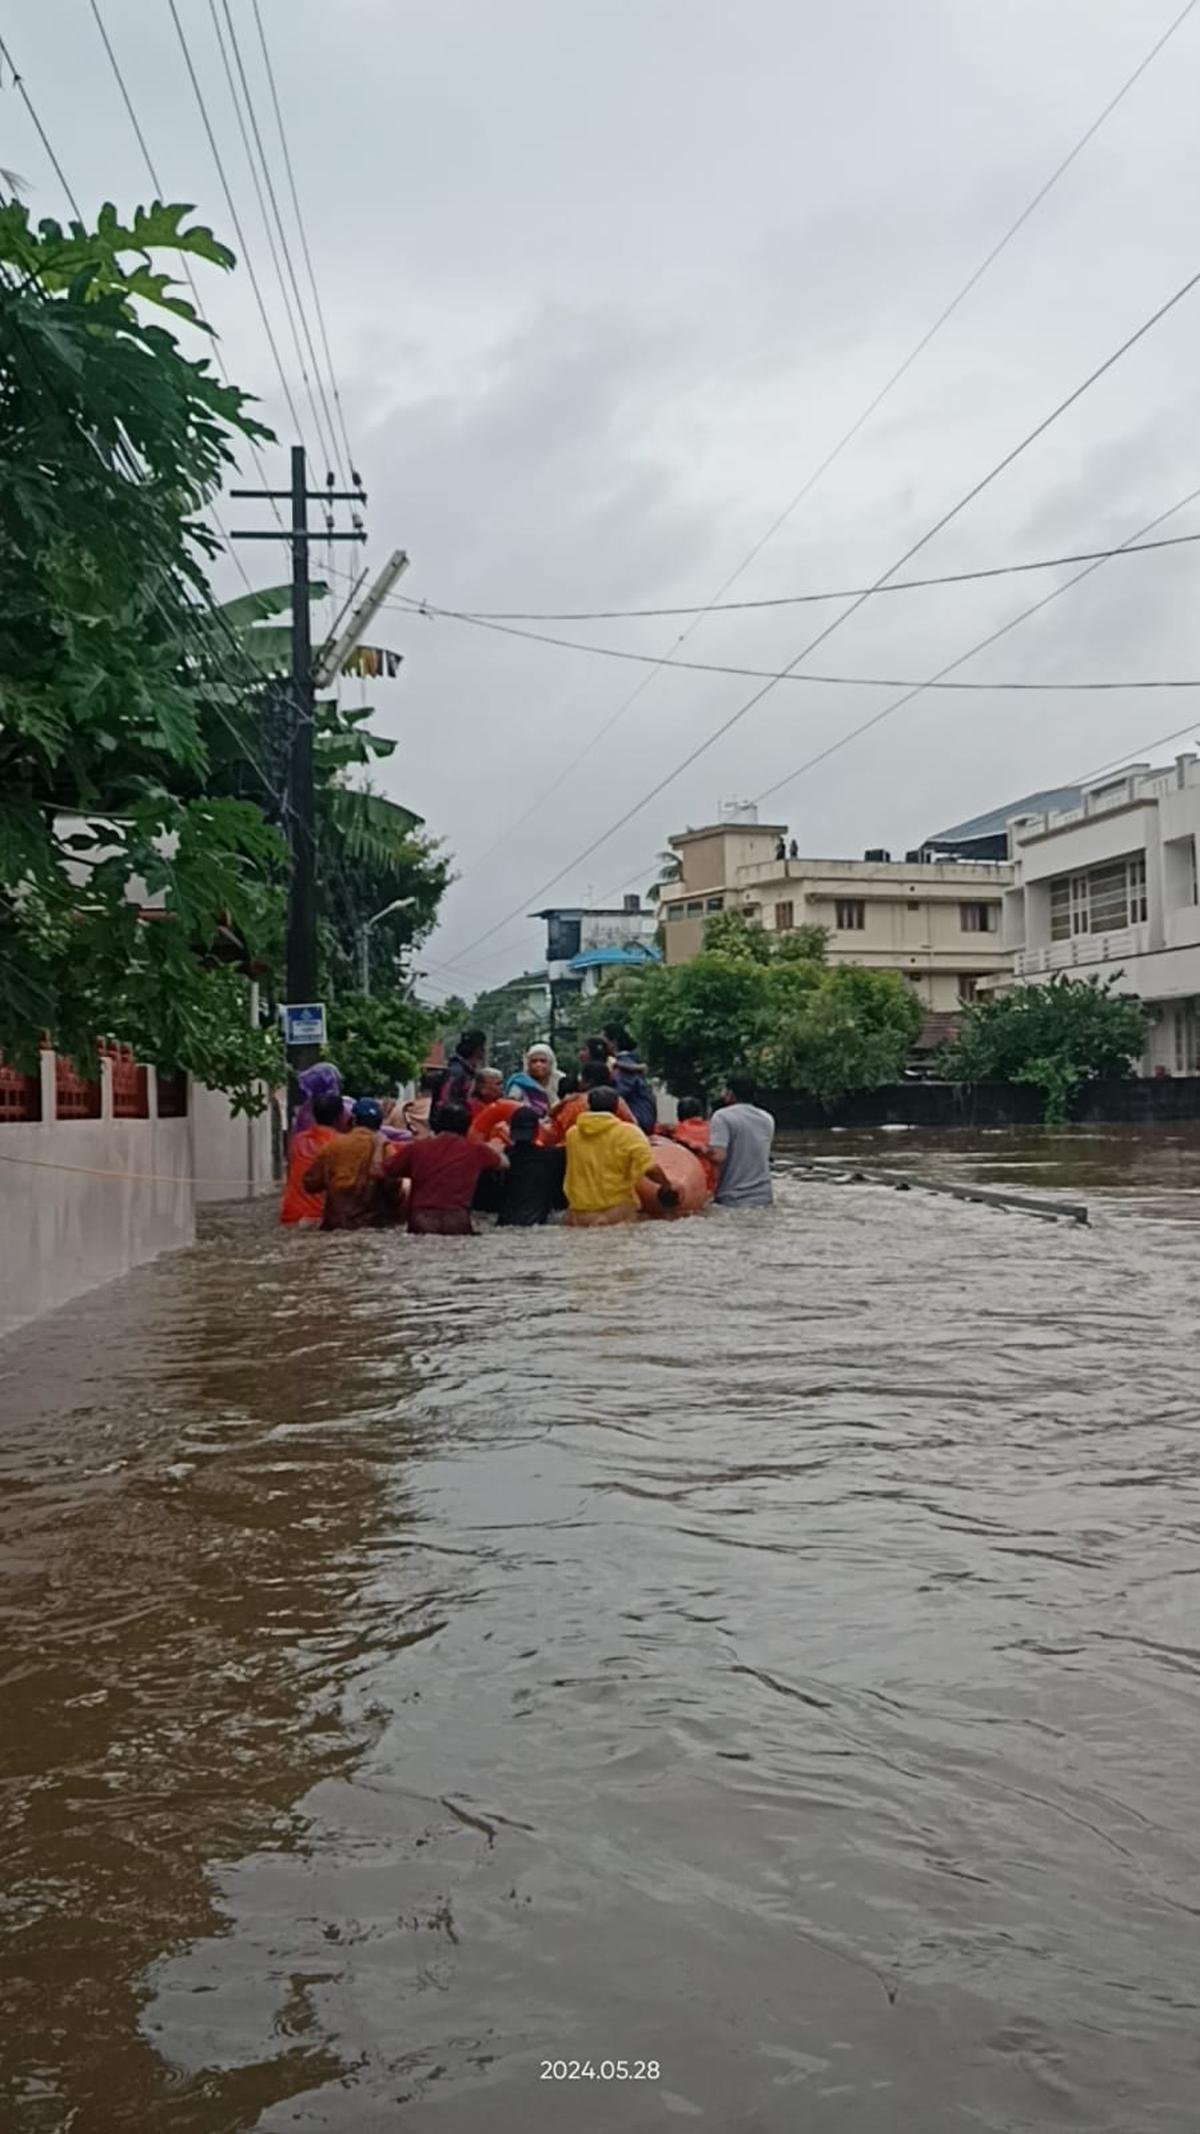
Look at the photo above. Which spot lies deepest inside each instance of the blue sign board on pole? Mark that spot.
(303, 1023)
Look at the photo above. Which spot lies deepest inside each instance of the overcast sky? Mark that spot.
(606, 280)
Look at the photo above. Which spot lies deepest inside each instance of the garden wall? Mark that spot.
(991, 1104)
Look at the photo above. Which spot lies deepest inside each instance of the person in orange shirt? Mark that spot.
(304, 1147)
(692, 1133)
(346, 1172)
(594, 1074)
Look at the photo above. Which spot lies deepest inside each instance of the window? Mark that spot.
(785, 918)
(1100, 902)
(675, 911)
(967, 988)
(979, 918)
(695, 909)
(850, 914)
(714, 903)
(1108, 898)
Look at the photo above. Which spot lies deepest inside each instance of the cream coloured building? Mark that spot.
(938, 923)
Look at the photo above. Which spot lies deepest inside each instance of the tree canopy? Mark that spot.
(112, 441)
(1055, 1036)
(768, 1005)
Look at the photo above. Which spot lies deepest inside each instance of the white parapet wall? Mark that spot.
(85, 1200)
(232, 1153)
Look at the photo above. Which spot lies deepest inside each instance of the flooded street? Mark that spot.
(762, 1652)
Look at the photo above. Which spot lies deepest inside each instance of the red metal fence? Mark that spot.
(75, 1097)
(130, 1084)
(20, 1095)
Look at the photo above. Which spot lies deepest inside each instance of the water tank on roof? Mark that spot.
(877, 853)
(743, 811)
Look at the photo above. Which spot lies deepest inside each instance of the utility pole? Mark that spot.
(301, 784)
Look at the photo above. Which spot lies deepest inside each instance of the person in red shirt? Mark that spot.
(442, 1174)
(692, 1132)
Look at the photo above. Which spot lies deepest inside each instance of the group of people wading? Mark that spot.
(524, 1148)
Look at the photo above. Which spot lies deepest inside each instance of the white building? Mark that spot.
(1109, 889)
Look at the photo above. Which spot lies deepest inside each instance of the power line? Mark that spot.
(328, 442)
(771, 674)
(969, 496)
(184, 261)
(43, 136)
(317, 304)
(889, 385)
(785, 600)
(1143, 748)
(272, 247)
(983, 644)
(235, 217)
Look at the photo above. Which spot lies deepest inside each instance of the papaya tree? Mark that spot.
(121, 871)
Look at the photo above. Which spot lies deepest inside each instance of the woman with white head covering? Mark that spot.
(537, 1085)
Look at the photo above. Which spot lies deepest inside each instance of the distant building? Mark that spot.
(1108, 887)
(935, 922)
(582, 946)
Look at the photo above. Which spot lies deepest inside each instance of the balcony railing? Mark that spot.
(1082, 950)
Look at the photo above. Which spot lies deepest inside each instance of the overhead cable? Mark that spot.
(317, 304)
(890, 383)
(236, 220)
(186, 265)
(969, 496)
(273, 248)
(43, 136)
(982, 646)
(788, 600)
(329, 440)
(788, 674)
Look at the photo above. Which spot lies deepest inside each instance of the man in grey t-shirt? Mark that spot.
(740, 1137)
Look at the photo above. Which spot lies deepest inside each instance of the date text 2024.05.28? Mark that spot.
(600, 2071)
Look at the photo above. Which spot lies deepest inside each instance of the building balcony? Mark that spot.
(1083, 951)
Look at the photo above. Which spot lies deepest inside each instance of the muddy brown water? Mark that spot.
(760, 1652)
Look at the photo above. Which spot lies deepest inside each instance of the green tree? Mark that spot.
(833, 1029)
(1055, 1036)
(377, 1040)
(513, 1017)
(111, 444)
(370, 850)
(771, 1006)
(736, 935)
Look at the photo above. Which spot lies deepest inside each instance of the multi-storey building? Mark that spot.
(1109, 888)
(936, 922)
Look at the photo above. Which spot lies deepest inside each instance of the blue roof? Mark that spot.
(598, 959)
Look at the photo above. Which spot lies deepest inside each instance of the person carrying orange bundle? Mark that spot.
(692, 1132)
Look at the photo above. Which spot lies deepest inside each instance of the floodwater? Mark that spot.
(756, 1660)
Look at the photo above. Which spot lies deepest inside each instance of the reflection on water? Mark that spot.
(765, 1648)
